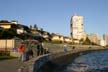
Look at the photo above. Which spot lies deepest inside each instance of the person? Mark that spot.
(65, 48)
(38, 50)
(21, 51)
(30, 52)
(41, 49)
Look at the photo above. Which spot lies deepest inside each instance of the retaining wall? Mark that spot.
(49, 62)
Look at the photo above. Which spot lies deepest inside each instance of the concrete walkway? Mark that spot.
(10, 65)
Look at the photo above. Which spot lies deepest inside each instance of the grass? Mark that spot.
(6, 57)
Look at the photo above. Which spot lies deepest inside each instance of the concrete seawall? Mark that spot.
(49, 62)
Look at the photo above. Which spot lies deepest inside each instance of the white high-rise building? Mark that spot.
(76, 26)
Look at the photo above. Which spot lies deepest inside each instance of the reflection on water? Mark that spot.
(92, 62)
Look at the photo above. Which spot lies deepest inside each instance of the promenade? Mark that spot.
(10, 65)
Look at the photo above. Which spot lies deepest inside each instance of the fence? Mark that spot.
(8, 44)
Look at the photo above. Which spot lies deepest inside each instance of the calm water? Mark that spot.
(92, 62)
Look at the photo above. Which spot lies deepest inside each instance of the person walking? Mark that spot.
(21, 51)
(65, 48)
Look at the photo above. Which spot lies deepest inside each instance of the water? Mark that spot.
(92, 62)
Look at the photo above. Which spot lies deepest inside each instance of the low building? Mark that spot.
(67, 39)
(61, 38)
(22, 29)
(6, 24)
(14, 24)
(55, 36)
(34, 31)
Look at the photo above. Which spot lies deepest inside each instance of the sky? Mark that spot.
(54, 15)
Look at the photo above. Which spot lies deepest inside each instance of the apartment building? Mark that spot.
(105, 38)
(76, 27)
(94, 38)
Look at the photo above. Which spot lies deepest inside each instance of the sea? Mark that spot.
(92, 62)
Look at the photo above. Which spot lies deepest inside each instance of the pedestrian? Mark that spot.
(21, 51)
(30, 53)
(41, 49)
(65, 48)
(38, 50)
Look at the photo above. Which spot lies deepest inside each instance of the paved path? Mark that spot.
(11, 65)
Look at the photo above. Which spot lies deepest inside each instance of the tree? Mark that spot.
(41, 31)
(7, 34)
(1, 31)
(35, 26)
(49, 36)
(87, 41)
(30, 26)
(81, 40)
(13, 30)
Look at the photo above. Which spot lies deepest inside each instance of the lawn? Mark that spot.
(5, 55)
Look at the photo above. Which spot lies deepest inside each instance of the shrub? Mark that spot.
(4, 53)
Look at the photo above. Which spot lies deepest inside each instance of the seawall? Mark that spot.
(49, 62)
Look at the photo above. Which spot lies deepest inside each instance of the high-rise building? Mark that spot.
(76, 26)
(105, 38)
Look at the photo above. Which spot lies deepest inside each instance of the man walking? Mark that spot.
(21, 51)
